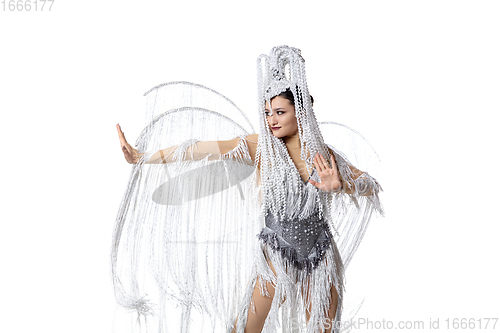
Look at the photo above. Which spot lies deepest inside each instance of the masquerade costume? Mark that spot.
(201, 222)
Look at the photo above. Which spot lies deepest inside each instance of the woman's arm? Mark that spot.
(359, 181)
(195, 151)
(211, 150)
(350, 186)
(190, 150)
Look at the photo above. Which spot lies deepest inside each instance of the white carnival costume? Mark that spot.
(198, 231)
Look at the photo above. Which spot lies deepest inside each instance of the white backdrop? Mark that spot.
(419, 79)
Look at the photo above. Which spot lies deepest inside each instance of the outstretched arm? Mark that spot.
(213, 150)
(361, 182)
(355, 181)
(196, 151)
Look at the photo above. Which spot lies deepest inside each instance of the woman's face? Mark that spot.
(283, 122)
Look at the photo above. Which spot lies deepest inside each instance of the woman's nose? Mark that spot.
(273, 118)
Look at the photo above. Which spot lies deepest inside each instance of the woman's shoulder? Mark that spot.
(252, 141)
(252, 138)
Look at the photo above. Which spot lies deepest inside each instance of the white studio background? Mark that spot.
(419, 79)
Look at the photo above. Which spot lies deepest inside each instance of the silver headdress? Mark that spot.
(284, 69)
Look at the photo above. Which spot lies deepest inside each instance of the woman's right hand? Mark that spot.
(131, 154)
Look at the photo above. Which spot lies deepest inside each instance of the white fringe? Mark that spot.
(186, 231)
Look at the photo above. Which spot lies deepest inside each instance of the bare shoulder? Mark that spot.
(252, 138)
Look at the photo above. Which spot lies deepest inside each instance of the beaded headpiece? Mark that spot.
(274, 76)
(282, 69)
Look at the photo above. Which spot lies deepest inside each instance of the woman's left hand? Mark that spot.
(330, 181)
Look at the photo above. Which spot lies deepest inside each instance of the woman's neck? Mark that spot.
(292, 141)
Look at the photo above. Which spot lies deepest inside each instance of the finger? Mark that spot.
(121, 136)
(118, 127)
(334, 165)
(313, 182)
(318, 185)
(318, 162)
(123, 140)
(315, 163)
(333, 160)
(120, 132)
(325, 163)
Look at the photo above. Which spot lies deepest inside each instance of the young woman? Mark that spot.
(309, 196)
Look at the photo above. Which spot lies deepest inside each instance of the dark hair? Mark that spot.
(289, 96)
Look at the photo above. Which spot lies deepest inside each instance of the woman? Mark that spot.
(297, 266)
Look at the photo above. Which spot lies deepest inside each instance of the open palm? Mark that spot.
(330, 181)
(130, 153)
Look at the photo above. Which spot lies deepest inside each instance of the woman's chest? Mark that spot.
(299, 164)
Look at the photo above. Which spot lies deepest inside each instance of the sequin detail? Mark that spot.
(302, 242)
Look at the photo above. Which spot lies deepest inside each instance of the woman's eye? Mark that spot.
(277, 112)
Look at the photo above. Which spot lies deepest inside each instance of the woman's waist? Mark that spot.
(311, 218)
(314, 224)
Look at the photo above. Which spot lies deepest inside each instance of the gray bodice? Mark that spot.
(301, 241)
